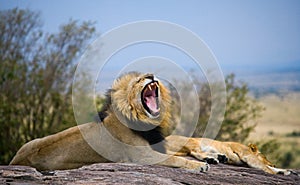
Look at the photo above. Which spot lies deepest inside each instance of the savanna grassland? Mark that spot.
(280, 124)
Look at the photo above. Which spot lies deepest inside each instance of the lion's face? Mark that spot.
(264, 159)
(140, 97)
(261, 157)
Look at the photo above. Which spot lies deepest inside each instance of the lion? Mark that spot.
(214, 151)
(131, 128)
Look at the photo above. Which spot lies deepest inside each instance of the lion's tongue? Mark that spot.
(151, 103)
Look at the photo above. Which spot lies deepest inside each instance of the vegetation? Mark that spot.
(281, 152)
(240, 115)
(35, 77)
(293, 134)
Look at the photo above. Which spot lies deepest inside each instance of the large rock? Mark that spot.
(118, 173)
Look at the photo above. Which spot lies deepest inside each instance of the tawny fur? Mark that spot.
(235, 153)
(83, 144)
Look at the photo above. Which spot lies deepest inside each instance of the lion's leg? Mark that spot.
(211, 158)
(180, 153)
(149, 156)
(279, 170)
(193, 148)
(180, 162)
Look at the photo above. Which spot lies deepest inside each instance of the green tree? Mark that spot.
(241, 111)
(36, 77)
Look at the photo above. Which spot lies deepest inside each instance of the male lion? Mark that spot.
(134, 122)
(213, 151)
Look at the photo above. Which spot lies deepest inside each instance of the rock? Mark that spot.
(121, 173)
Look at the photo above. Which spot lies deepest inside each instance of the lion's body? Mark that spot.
(135, 102)
(64, 150)
(208, 149)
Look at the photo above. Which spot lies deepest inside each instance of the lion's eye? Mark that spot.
(139, 80)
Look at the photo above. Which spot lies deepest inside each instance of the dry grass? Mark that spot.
(282, 116)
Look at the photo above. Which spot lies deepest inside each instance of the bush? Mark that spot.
(293, 134)
(36, 74)
(241, 111)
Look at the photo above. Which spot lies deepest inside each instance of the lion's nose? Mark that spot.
(150, 76)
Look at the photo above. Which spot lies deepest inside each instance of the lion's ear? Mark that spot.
(253, 147)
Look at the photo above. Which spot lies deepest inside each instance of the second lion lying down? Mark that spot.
(213, 151)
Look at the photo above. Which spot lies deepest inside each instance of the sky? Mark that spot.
(249, 33)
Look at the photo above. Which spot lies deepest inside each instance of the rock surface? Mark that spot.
(118, 173)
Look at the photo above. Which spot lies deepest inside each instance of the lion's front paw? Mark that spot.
(284, 172)
(294, 173)
(205, 168)
(222, 158)
(198, 166)
(288, 172)
(211, 160)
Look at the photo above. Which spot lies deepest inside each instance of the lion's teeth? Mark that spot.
(152, 85)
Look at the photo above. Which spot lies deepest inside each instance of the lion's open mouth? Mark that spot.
(150, 98)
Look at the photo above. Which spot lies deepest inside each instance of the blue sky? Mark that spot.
(240, 33)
